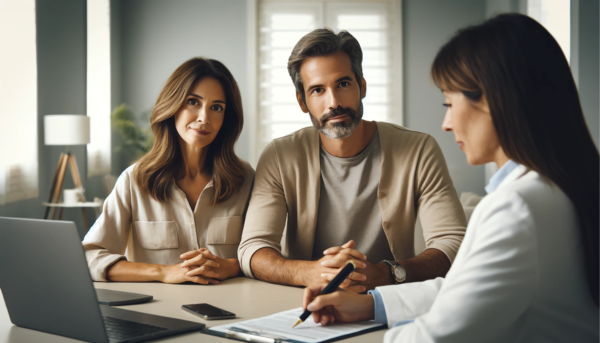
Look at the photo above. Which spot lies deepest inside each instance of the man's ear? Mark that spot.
(363, 85)
(301, 102)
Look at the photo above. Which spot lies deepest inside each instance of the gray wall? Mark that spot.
(117, 166)
(156, 36)
(494, 7)
(61, 56)
(427, 25)
(585, 61)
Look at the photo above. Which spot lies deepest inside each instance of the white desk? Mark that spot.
(245, 297)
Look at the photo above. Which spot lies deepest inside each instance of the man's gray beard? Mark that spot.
(341, 129)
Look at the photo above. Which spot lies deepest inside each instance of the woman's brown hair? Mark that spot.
(164, 162)
(523, 74)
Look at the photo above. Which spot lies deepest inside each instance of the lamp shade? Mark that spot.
(66, 129)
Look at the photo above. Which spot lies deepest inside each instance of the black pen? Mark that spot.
(330, 288)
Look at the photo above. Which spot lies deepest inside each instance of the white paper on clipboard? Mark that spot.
(280, 325)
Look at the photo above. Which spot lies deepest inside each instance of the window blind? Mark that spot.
(282, 23)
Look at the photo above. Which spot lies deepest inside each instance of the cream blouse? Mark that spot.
(134, 226)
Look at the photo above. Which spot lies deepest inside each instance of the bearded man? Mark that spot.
(346, 188)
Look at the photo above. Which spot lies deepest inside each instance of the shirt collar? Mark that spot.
(500, 175)
(210, 184)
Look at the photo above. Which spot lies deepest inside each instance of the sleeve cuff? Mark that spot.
(100, 264)
(403, 322)
(448, 251)
(409, 300)
(246, 259)
(380, 316)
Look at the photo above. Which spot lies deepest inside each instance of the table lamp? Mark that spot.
(65, 129)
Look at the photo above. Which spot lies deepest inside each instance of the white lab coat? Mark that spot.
(518, 276)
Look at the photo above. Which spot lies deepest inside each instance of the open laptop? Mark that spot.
(47, 287)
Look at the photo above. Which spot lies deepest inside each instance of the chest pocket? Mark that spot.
(224, 230)
(156, 235)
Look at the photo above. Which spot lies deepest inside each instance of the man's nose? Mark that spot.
(334, 100)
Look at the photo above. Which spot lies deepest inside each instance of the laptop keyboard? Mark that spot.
(119, 329)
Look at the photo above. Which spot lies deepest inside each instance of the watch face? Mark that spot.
(399, 273)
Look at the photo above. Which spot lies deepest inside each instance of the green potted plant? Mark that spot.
(136, 140)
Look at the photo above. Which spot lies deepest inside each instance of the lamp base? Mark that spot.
(57, 183)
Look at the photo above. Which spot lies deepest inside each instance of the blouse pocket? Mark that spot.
(156, 235)
(224, 230)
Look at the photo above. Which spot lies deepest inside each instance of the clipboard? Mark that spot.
(239, 334)
(274, 329)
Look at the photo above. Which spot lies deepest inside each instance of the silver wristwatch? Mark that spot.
(398, 272)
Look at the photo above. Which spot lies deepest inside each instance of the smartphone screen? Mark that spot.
(208, 311)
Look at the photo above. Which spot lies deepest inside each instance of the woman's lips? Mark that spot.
(460, 145)
(201, 132)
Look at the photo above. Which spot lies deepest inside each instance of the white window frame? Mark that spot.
(18, 96)
(98, 87)
(555, 16)
(395, 92)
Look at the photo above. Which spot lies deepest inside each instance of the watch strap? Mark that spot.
(393, 265)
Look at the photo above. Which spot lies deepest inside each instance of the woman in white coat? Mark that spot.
(527, 270)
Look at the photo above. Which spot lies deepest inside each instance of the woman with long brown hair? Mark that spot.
(177, 214)
(527, 270)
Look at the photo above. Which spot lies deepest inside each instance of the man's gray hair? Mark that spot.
(321, 42)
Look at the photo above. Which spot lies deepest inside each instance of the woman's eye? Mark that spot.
(217, 108)
(193, 102)
(446, 105)
(344, 84)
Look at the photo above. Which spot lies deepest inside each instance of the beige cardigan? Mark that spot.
(414, 177)
(136, 227)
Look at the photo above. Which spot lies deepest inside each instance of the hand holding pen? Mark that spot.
(330, 304)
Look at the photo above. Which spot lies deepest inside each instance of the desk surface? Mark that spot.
(245, 297)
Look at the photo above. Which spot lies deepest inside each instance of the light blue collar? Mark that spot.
(500, 175)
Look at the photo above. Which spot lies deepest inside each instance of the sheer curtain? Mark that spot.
(18, 96)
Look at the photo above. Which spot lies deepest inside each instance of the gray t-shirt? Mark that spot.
(348, 205)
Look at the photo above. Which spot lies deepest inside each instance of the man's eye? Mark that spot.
(344, 84)
(192, 102)
(317, 90)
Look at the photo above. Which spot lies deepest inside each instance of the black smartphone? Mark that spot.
(208, 311)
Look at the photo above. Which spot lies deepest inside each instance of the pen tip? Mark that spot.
(298, 322)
